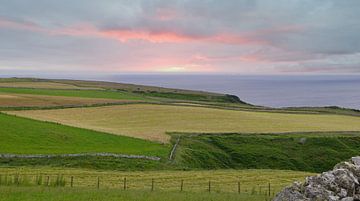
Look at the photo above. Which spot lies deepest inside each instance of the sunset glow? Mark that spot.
(154, 36)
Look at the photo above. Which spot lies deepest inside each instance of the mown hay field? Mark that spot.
(150, 121)
(106, 94)
(42, 85)
(193, 181)
(9, 100)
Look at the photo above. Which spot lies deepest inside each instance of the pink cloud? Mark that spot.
(158, 37)
(125, 35)
(20, 25)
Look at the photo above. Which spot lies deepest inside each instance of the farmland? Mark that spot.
(53, 128)
(149, 121)
(165, 183)
(74, 93)
(26, 136)
(312, 152)
(41, 85)
(14, 101)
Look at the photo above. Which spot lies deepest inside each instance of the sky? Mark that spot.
(181, 36)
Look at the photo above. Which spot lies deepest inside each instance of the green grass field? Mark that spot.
(193, 181)
(41, 85)
(68, 194)
(10, 101)
(314, 152)
(149, 121)
(76, 93)
(25, 136)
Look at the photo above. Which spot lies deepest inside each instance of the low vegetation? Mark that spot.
(9, 101)
(192, 181)
(313, 152)
(150, 121)
(110, 90)
(86, 194)
(41, 85)
(26, 136)
(75, 93)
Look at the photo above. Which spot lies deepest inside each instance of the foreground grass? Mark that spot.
(67, 194)
(252, 181)
(25, 136)
(153, 121)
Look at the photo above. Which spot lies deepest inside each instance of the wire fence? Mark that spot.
(234, 185)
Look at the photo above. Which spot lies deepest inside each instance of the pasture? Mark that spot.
(38, 86)
(312, 152)
(81, 194)
(26, 136)
(251, 181)
(153, 121)
(41, 85)
(105, 94)
(14, 101)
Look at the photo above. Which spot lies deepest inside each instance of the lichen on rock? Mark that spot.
(339, 184)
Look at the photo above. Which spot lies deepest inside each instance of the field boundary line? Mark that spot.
(129, 156)
(173, 151)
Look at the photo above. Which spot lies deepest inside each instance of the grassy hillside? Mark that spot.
(315, 152)
(148, 91)
(149, 121)
(25, 136)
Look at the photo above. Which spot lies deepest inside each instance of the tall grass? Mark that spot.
(86, 194)
(32, 180)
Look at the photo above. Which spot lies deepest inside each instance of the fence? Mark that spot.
(137, 183)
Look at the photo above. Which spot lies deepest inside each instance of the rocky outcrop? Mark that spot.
(341, 183)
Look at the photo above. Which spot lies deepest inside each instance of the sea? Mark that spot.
(266, 90)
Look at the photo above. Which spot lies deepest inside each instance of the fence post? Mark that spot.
(47, 180)
(209, 186)
(239, 187)
(259, 189)
(124, 183)
(181, 185)
(152, 184)
(98, 182)
(269, 189)
(71, 181)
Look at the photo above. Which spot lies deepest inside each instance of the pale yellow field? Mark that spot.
(42, 85)
(27, 100)
(151, 122)
(221, 180)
